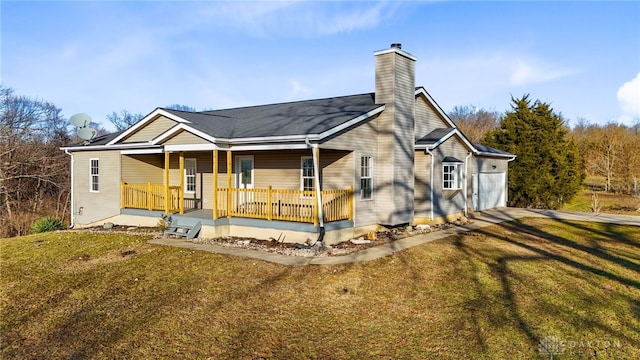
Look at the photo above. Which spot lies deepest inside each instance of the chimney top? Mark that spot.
(397, 46)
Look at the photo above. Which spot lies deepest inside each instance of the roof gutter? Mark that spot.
(144, 145)
(511, 157)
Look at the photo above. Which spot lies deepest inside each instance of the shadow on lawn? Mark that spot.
(478, 306)
(595, 249)
(127, 309)
(532, 242)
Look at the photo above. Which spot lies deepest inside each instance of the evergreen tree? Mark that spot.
(548, 170)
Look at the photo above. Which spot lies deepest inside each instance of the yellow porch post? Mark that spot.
(229, 170)
(215, 184)
(167, 193)
(181, 192)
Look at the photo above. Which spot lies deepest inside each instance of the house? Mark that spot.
(339, 167)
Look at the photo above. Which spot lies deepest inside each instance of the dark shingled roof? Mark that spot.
(103, 139)
(293, 118)
(451, 159)
(434, 136)
(488, 149)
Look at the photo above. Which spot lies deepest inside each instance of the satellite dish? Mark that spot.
(86, 133)
(80, 120)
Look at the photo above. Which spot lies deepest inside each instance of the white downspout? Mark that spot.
(316, 175)
(73, 214)
(431, 185)
(466, 160)
(506, 185)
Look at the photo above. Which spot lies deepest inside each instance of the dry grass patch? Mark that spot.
(495, 293)
(608, 203)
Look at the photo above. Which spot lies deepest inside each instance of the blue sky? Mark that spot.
(97, 57)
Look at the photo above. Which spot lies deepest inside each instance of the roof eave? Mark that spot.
(108, 147)
(152, 115)
(490, 154)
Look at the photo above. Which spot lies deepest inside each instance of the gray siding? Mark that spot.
(362, 137)
(422, 190)
(362, 141)
(104, 203)
(337, 170)
(427, 118)
(447, 202)
(486, 164)
(185, 138)
(395, 87)
(151, 130)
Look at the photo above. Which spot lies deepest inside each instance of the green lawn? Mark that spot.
(495, 293)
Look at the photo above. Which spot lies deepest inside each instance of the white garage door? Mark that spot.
(491, 190)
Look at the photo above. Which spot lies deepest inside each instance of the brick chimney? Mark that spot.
(395, 88)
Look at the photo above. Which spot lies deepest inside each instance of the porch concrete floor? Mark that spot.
(480, 220)
(199, 213)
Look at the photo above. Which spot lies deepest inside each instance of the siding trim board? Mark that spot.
(178, 128)
(140, 124)
(422, 92)
(141, 151)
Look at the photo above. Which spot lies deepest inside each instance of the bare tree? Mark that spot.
(474, 122)
(611, 151)
(181, 107)
(34, 173)
(124, 119)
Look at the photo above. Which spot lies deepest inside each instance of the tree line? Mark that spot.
(551, 155)
(34, 173)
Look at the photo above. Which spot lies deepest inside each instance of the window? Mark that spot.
(306, 182)
(366, 179)
(451, 176)
(190, 175)
(94, 170)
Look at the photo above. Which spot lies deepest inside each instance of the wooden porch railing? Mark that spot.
(269, 203)
(149, 197)
(288, 205)
(337, 204)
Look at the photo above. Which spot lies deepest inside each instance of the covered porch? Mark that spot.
(224, 198)
(269, 203)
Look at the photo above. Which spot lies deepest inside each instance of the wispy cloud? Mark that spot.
(526, 71)
(292, 19)
(481, 77)
(500, 67)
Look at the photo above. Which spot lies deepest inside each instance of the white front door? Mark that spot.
(244, 172)
(244, 180)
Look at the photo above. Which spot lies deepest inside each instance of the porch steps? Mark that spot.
(183, 228)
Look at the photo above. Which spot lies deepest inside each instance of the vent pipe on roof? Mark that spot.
(397, 46)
